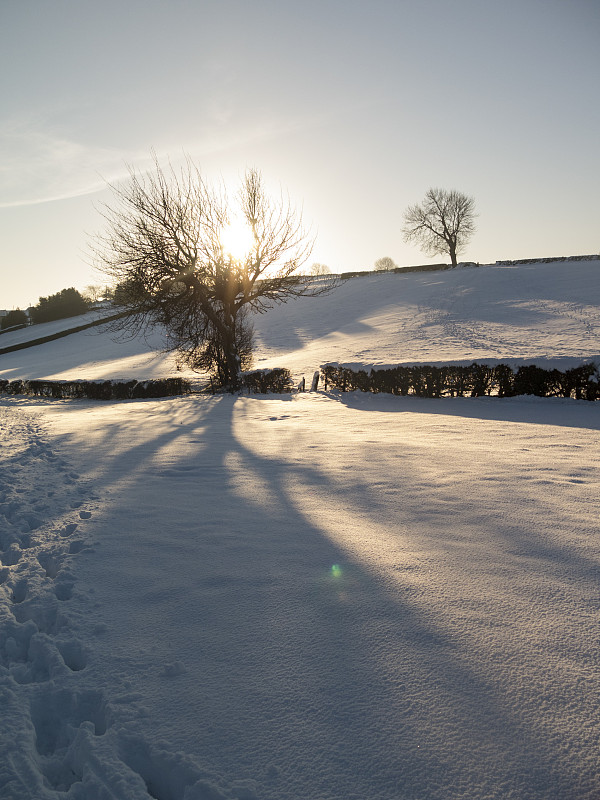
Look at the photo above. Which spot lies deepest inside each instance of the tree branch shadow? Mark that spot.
(310, 672)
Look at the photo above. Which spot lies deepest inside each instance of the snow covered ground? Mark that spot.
(336, 597)
(548, 314)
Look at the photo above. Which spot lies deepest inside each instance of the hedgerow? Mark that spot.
(268, 381)
(97, 390)
(476, 380)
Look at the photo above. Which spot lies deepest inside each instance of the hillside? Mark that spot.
(547, 313)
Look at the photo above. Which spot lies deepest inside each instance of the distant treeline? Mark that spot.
(476, 380)
(66, 303)
(63, 304)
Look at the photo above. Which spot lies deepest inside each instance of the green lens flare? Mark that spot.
(336, 571)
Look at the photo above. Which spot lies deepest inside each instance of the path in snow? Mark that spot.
(44, 510)
(381, 597)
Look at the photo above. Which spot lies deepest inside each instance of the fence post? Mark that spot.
(315, 381)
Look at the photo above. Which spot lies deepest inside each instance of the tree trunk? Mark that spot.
(452, 251)
(234, 373)
(231, 357)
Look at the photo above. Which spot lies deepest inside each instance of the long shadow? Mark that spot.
(76, 351)
(544, 553)
(562, 412)
(311, 674)
(285, 330)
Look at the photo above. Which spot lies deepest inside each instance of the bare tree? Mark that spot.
(443, 223)
(93, 293)
(319, 269)
(165, 249)
(385, 264)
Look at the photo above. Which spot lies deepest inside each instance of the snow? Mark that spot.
(9, 338)
(548, 314)
(315, 596)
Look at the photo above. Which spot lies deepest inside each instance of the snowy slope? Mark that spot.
(547, 313)
(543, 313)
(343, 598)
(9, 338)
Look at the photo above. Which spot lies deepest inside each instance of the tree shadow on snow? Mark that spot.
(526, 409)
(307, 671)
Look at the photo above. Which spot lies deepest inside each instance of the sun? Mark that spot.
(236, 239)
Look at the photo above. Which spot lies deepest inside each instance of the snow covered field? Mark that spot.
(548, 314)
(313, 597)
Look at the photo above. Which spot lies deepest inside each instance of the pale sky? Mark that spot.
(354, 107)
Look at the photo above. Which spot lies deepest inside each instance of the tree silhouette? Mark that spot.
(164, 248)
(443, 223)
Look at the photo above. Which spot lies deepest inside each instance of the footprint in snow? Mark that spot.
(73, 654)
(50, 561)
(63, 591)
(19, 592)
(85, 514)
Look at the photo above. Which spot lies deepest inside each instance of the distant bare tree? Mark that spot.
(93, 293)
(164, 249)
(385, 264)
(319, 269)
(443, 223)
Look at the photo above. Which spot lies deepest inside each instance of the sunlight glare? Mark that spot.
(236, 239)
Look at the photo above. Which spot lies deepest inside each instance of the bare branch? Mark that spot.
(163, 248)
(443, 223)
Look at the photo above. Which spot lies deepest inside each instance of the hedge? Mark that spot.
(268, 381)
(476, 380)
(262, 381)
(97, 390)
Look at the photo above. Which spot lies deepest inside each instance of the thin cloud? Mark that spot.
(43, 167)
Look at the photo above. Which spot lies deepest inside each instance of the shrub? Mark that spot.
(592, 390)
(428, 381)
(477, 379)
(15, 387)
(532, 380)
(481, 377)
(268, 381)
(13, 318)
(578, 380)
(398, 378)
(504, 379)
(66, 303)
(98, 390)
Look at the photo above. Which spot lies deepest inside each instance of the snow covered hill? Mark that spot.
(546, 313)
(342, 597)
